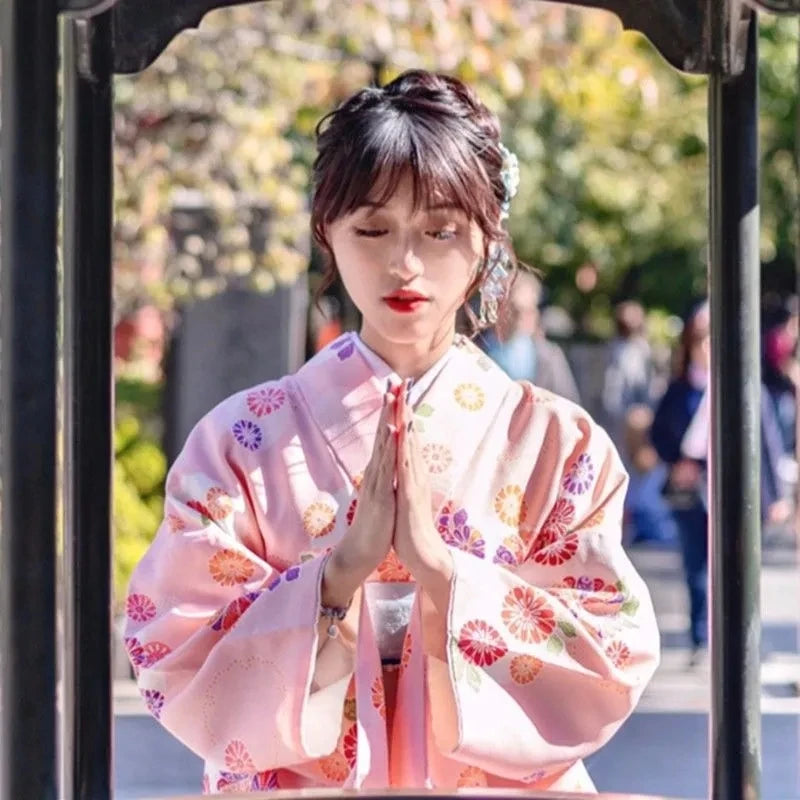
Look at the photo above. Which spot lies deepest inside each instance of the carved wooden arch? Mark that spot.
(679, 29)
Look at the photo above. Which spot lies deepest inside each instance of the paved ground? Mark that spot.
(661, 749)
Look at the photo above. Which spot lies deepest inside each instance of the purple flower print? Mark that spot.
(248, 434)
(273, 584)
(154, 701)
(344, 347)
(452, 525)
(292, 573)
(266, 781)
(504, 557)
(580, 476)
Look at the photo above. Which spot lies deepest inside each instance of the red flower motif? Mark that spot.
(481, 643)
(619, 654)
(351, 511)
(553, 548)
(527, 615)
(561, 517)
(265, 400)
(378, 697)
(405, 659)
(350, 745)
(237, 759)
(229, 615)
(200, 508)
(140, 608)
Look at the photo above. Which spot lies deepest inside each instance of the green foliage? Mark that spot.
(139, 472)
(612, 141)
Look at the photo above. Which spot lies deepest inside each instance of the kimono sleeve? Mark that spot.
(546, 658)
(225, 647)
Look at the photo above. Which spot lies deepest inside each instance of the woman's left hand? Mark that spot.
(416, 541)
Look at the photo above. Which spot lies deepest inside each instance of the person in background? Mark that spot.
(628, 378)
(680, 435)
(780, 369)
(520, 347)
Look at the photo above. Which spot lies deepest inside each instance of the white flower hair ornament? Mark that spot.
(494, 285)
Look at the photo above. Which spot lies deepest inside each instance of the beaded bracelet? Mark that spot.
(334, 614)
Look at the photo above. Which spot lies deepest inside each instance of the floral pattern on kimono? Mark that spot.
(548, 641)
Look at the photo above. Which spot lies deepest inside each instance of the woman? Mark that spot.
(396, 567)
(680, 435)
(681, 420)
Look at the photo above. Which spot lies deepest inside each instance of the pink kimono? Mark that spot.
(550, 636)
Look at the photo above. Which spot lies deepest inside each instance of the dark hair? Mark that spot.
(695, 330)
(428, 123)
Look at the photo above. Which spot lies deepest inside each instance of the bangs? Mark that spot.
(444, 169)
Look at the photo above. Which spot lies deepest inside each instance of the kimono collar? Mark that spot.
(420, 385)
(343, 387)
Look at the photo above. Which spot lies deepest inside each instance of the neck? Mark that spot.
(411, 359)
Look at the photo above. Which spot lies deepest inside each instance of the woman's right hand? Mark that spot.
(369, 538)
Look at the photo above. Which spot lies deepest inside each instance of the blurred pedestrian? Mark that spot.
(628, 378)
(681, 436)
(520, 346)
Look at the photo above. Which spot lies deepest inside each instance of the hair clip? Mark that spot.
(509, 174)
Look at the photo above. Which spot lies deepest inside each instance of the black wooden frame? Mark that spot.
(104, 37)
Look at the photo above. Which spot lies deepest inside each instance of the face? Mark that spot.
(524, 307)
(406, 270)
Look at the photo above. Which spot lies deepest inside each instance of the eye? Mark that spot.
(443, 235)
(370, 233)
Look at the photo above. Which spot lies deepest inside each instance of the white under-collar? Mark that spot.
(421, 384)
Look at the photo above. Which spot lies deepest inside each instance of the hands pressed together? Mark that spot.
(394, 510)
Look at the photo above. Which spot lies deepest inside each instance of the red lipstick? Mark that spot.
(405, 301)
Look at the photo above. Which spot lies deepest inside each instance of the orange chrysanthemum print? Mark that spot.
(470, 396)
(481, 643)
(350, 745)
(527, 615)
(378, 697)
(437, 457)
(175, 523)
(596, 518)
(265, 400)
(524, 669)
(350, 709)
(472, 776)
(619, 654)
(554, 548)
(237, 759)
(335, 767)
(319, 519)
(229, 568)
(510, 506)
(218, 503)
(140, 608)
(392, 570)
(153, 652)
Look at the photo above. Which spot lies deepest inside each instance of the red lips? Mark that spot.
(405, 295)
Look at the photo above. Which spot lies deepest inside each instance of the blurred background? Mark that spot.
(214, 277)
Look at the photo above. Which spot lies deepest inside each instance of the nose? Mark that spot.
(405, 264)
